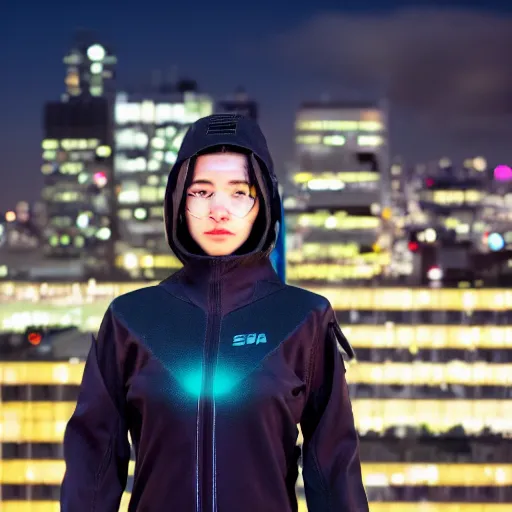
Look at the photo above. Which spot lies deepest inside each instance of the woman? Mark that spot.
(212, 370)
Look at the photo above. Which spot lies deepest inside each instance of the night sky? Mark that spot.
(446, 71)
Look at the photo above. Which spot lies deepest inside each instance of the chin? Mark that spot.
(220, 249)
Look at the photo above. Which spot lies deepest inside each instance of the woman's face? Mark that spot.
(221, 204)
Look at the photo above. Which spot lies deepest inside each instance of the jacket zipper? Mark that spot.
(207, 490)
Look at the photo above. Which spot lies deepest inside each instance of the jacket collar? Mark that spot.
(239, 279)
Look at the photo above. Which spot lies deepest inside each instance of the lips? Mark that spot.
(219, 232)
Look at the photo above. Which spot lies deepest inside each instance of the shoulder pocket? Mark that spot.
(342, 342)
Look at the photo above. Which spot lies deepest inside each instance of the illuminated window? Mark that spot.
(140, 213)
(61, 222)
(308, 139)
(96, 68)
(370, 140)
(342, 222)
(154, 165)
(331, 272)
(73, 80)
(67, 197)
(50, 144)
(49, 155)
(129, 193)
(147, 112)
(437, 415)
(334, 140)
(176, 143)
(96, 52)
(127, 113)
(417, 299)
(71, 168)
(344, 177)
(149, 194)
(156, 212)
(421, 373)
(327, 125)
(123, 164)
(323, 184)
(370, 126)
(104, 151)
(125, 214)
(396, 170)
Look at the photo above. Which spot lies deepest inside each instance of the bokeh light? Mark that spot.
(503, 173)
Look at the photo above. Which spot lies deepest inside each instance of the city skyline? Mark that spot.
(468, 112)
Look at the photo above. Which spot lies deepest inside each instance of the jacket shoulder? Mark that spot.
(314, 299)
(135, 300)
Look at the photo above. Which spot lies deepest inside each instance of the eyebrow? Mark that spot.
(232, 182)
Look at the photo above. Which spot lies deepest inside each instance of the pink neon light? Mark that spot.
(503, 173)
(100, 179)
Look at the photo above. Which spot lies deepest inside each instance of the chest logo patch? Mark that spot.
(249, 339)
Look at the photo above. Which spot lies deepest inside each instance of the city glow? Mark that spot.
(376, 506)
(435, 273)
(46, 421)
(495, 241)
(503, 173)
(341, 298)
(96, 52)
(358, 372)
(100, 179)
(104, 151)
(479, 164)
(340, 126)
(51, 472)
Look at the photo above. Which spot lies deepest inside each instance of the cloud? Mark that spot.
(448, 64)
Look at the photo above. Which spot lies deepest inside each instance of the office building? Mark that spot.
(90, 68)
(430, 390)
(77, 154)
(449, 219)
(338, 219)
(238, 103)
(149, 129)
(78, 183)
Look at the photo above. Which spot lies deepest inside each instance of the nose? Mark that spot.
(219, 212)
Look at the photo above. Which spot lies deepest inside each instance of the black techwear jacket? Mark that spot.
(210, 372)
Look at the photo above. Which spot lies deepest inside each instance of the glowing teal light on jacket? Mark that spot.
(223, 383)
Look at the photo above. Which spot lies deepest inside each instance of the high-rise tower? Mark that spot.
(77, 152)
(90, 67)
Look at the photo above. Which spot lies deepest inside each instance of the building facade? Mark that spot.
(78, 195)
(90, 68)
(430, 390)
(336, 220)
(238, 103)
(78, 187)
(149, 129)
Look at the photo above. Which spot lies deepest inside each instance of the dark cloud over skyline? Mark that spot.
(446, 71)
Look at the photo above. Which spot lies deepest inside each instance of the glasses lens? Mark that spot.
(198, 207)
(239, 206)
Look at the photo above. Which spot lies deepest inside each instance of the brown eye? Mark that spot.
(199, 193)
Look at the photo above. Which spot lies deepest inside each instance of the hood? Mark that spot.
(242, 134)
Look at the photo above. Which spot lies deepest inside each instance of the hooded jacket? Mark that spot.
(210, 372)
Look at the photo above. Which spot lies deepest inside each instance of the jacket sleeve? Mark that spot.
(96, 448)
(330, 456)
